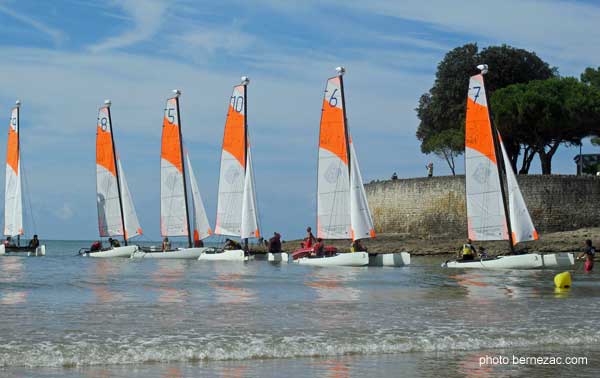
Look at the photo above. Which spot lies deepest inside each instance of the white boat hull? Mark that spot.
(342, 259)
(181, 253)
(389, 259)
(527, 261)
(281, 257)
(39, 251)
(227, 255)
(125, 251)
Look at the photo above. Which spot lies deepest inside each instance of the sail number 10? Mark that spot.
(237, 103)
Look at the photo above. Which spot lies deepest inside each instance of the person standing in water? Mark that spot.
(589, 252)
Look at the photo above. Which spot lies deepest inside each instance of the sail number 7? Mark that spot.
(478, 89)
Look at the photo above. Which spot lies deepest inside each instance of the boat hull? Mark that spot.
(389, 259)
(181, 253)
(342, 259)
(281, 257)
(22, 251)
(527, 261)
(227, 255)
(125, 251)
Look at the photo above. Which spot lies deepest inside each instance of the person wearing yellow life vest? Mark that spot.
(468, 251)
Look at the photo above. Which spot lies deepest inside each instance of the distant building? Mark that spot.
(590, 163)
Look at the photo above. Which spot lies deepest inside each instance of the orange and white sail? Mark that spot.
(360, 215)
(520, 221)
(201, 226)
(110, 221)
(233, 167)
(249, 226)
(13, 204)
(173, 212)
(333, 182)
(486, 217)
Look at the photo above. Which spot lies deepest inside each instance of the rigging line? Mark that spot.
(256, 211)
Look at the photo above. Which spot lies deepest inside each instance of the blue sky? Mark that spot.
(63, 58)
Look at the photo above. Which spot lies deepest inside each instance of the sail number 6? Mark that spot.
(333, 101)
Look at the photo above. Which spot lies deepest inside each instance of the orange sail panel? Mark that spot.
(486, 217)
(233, 167)
(173, 216)
(333, 192)
(13, 205)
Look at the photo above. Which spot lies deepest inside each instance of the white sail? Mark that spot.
(132, 224)
(201, 225)
(233, 163)
(107, 193)
(520, 221)
(173, 217)
(486, 217)
(333, 182)
(249, 227)
(13, 203)
(360, 215)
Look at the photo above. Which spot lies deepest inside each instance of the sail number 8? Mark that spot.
(103, 123)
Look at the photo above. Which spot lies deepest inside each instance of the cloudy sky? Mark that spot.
(63, 58)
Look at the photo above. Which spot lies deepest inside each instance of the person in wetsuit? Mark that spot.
(275, 243)
(34, 243)
(588, 252)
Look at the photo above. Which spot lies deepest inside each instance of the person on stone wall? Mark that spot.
(394, 176)
(429, 169)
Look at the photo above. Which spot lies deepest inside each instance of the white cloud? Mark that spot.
(53, 34)
(147, 17)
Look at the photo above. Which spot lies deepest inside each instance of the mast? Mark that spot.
(18, 106)
(341, 71)
(112, 140)
(177, 93)
(499, 157)
(245, 82)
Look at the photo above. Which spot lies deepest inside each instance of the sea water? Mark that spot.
(67, 316)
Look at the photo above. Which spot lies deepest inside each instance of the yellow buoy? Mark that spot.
(562, 280)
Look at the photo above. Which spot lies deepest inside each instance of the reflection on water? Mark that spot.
(334, 368)
(12, 270)
(168, 275)
(229, 285)
(102, 273)
(332, 285)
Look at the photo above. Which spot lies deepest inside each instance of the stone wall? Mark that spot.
(435, 207)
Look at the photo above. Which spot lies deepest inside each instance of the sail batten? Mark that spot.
(13, 203)
(173, 211)
(333, 182)
(486, 216)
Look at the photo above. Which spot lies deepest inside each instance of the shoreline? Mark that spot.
(562, 241)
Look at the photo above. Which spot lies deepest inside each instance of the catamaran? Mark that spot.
(342, 208)
(13, 203)
(174, 208)
(116, 213)
(486, 168)
(236, 203)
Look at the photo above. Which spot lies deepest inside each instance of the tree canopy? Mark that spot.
(543, 114)
(441, 111)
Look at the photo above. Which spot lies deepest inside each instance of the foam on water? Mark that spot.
(83, 351)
